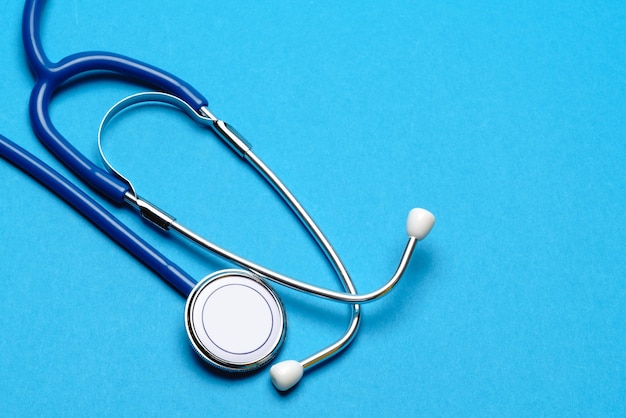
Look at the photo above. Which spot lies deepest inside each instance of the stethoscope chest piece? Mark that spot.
(235, 321)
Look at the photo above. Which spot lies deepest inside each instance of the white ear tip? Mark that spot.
(419, 223)
(286, 374)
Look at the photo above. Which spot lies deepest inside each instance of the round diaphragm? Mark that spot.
(235, 321)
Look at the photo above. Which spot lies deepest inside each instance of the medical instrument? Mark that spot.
(50, 76)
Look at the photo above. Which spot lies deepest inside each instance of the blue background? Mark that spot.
(506, 120)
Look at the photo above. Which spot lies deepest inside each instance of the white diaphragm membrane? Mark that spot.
(235, 321)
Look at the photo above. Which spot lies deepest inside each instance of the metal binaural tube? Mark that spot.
(229, 135)
(296, 284)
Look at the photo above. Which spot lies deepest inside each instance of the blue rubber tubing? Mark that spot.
(97, 214)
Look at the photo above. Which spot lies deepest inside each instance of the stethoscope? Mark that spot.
(234, 319)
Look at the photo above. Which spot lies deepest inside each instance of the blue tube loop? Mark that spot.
(50, 76)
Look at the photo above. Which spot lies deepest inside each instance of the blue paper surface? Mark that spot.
(506, 121)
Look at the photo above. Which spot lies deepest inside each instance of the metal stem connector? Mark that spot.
(150, 212)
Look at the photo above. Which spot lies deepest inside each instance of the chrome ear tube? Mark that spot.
(234, 319)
